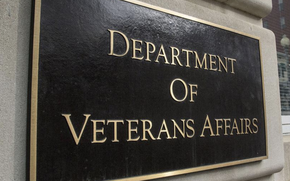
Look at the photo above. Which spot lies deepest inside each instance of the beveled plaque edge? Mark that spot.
(34, 94)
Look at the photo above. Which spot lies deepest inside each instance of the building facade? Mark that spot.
(278, 21)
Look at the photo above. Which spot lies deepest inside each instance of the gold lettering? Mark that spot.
(255, 125)
(163, 129)
(232, 64)
(130, 130)
(248, 124)
(182, 132)
(242, 125)
(71, 127)
(115, 128)
(212, 62)
(197, 60)
(207, 125)
(147, 130)
(175, 56)
(95, 131)
(218, 127)
(235, 126)
(162, 54)
(187, 56)
(136, 49)
(148, 44)
(224, 65)
(191, 128)
(193, 92)
(112, 32)
(227, 126)
(185, 88)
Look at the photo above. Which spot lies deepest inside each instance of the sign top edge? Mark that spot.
(189, 17)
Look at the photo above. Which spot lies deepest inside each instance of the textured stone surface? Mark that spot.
(14, 56)
(286, 170)
(268, 178)
(284, 175)
(206, 9)
(260, 8)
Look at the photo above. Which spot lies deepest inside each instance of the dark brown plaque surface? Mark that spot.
(125, 90)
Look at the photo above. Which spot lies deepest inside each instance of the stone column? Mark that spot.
(15, 18)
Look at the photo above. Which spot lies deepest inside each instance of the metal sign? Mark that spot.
(126, 90)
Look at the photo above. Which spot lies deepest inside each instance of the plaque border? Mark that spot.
(34, 94)
(34, 91)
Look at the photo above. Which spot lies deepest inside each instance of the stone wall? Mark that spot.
(15, 18)
(284, 175)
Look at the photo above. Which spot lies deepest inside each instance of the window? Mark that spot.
(265, 24)
(282, 71)
(284, 91)
(282, 22)
(280, 5)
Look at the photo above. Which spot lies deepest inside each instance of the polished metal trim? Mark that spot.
(34, 92)
(264, 104)
(188, 17)
(190, 170)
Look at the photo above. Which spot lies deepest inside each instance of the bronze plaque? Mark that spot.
(126, 90)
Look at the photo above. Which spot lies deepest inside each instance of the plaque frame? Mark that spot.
(34, 96)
